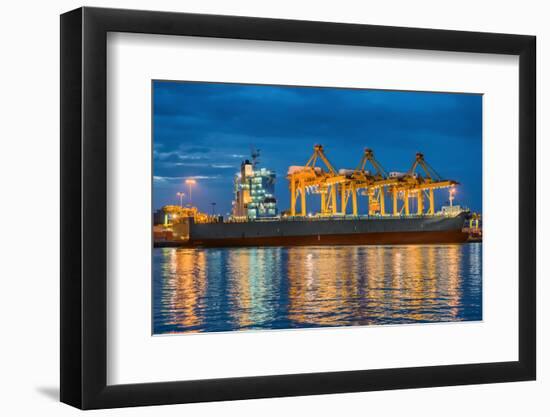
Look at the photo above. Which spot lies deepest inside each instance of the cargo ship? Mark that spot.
(386, 230)
(256, 221)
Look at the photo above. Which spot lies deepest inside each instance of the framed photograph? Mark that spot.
(260, 208)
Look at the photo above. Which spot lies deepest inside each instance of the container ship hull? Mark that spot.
(333, 231)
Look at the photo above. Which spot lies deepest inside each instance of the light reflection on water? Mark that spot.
(210, 290)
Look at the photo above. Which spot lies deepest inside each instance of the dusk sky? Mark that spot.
(205, 130)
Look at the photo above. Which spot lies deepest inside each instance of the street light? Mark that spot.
(190, 182)
(180, 195)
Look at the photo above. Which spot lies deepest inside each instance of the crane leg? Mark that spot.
(333, 195)
(354, 200)
(368, 204)
(343, 199)
(431, 198)
(406, 202)
(381, 195)
(293, 197)
(420, 202)
(394, 193)
(303, 198)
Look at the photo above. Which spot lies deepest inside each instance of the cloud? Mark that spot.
(197, 150)
(204, 177)
(176, 156)
(209, 112)
(158, 178)
(168, 164)
(223, 166)
(173, 180)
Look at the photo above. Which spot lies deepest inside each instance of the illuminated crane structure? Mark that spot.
(372, 184)
(422, 186)
(311, 178)
(337, 188)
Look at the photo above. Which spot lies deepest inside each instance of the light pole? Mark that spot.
(180, 195)
(451, 196)
(190, 182)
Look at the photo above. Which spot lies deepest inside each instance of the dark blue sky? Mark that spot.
(205, 130)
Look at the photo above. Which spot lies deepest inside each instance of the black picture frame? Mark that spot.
(84, 207)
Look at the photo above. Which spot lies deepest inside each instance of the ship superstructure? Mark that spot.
(254, 191)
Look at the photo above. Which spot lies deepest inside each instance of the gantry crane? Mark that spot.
(418, 186)
(331, 184)
(372, 184)
(314, 179)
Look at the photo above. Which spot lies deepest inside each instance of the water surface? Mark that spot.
(225, 289)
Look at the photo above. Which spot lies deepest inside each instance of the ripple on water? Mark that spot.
(205, 290)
